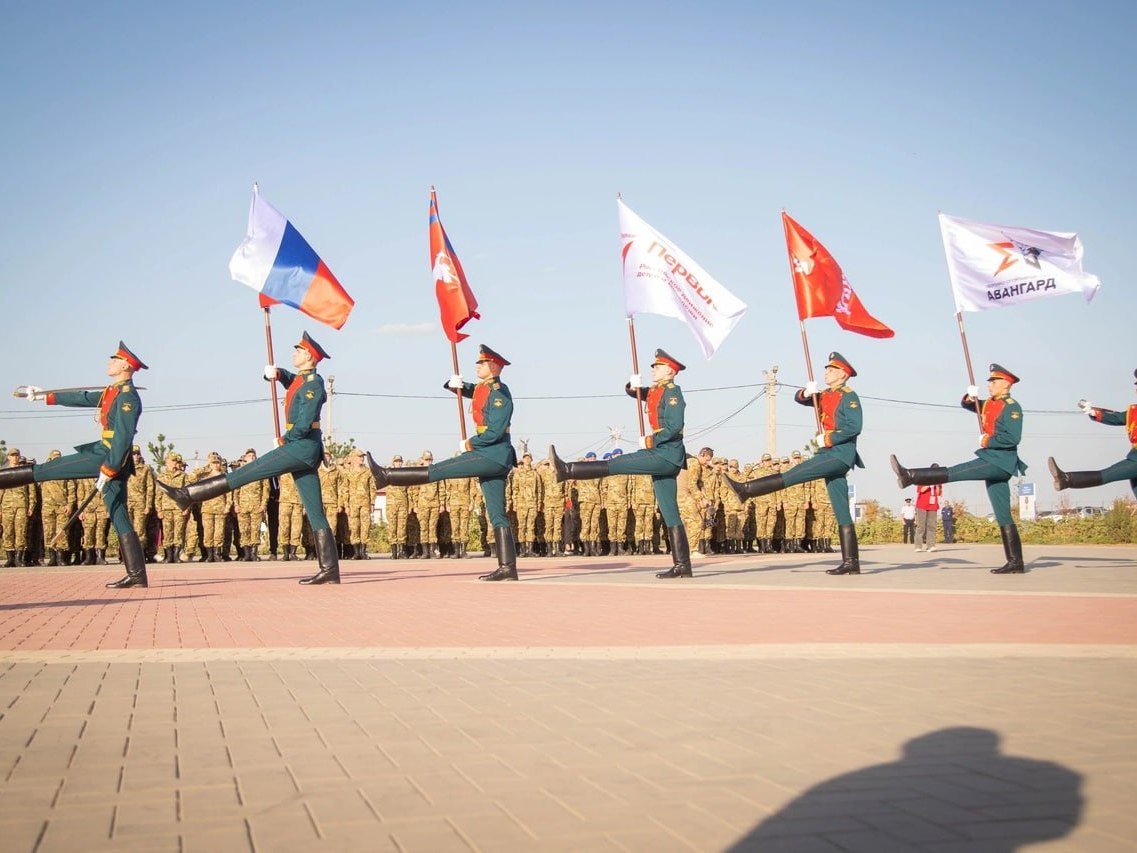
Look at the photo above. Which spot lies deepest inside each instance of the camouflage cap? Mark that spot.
(13, 451)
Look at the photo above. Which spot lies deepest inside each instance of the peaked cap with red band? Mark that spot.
(662, 357)
(317, 351)
(130, 358)
(841, 363)
(487, 354)
(1000, 372)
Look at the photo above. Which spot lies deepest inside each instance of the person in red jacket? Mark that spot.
(928, 499)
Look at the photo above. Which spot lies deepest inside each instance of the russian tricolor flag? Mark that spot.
(278, 263)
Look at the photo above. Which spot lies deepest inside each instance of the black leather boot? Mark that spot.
(16, 475)
(756, 488)
(850, 553)
(328, 556)
(130, 551)
(1073, 479)
(906, 477)
(507, 556)
(1013, 550)
(191, 493)
(100, 556)
(576, 470)
(396, 476)
(680, 554)
(53, 557)
(11, 564)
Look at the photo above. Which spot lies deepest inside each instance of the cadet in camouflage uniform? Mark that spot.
(140, 495)
(459, 497)
(554, 509)
(193, 515)
(765, 508)
(617, 502)
(251, 502)
(398, 505)
(428, 504)
(331, 498)
(478, 516)
(57, 500)
(173, 519)
(94, 519)
(291, 518)
(589, 499)
(795, 502)
(690, 495)
(17, 505)
(213, 512)
(734, 510)
(824, 521)
(359, 487)
(643, 510)
(528, 495)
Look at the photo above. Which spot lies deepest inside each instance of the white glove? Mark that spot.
(635, 381)
(455, 382)
(34, 392)
(462, 446)
(973, 391)
(810, 388)
(270, 372)
(1085, 405)
(101, 482)
(644, 443)
(820, 439)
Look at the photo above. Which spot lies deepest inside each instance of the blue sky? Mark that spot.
(135, 131)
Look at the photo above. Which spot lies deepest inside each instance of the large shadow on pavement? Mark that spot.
(952, 790)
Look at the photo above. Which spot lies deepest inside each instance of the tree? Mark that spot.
(339, 449)
(159, 451)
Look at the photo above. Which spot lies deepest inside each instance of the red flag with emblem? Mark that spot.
(822, 289)
(456, 302)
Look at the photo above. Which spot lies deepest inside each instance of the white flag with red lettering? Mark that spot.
(995, 265)
(659, 278)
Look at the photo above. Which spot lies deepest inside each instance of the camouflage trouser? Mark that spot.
(590, 522)
(15, 526)
(764, 518)
(617, 523)
(213, 529)
(290, 524)
(173, 527)
(460, 526)
(526, 521)
(53, 517)
(734, 520)
(193, 538)
(823, 523)
(138, 516)
(554, 522)
(249, 524)
(692, 517)
(359, 523)
(795, 521)
(397, 524)
(644, 516)
(428, 524)
(95, 526)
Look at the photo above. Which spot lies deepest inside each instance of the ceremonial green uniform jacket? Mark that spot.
(120, 408)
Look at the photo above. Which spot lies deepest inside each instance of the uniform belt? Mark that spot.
(108, 433)
(315, 425)
(481, 429)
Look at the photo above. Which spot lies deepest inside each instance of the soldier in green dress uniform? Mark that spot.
(299, 453)
(841, 422)
(108, 460)
(1126, 469)
(662, 455)
(1001, 425)
(487, 455)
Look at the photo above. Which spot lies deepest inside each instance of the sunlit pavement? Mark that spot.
(925, 704)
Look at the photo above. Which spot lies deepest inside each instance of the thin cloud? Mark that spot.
(407, 330)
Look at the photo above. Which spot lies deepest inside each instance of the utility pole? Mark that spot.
(331, 396)
(772, 410)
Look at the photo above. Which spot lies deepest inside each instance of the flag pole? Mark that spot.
(636, 370)
(458, 393)
(272, 360)
(809, 373)
(967, 359)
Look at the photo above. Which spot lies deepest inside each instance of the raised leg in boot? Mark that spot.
(906, 477)
(1073, 479)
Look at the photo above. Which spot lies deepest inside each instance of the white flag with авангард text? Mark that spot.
(991, 266)
(659, 278)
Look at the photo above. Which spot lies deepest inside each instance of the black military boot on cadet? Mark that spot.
(396, 476)
(1012, 550)
(328, 557)
(16, 475)
(130, 551)
(506, 557)
(1072, 479)
(906, 477)
(850, 553)
(186, 496)
(680, 554)
(576, 470)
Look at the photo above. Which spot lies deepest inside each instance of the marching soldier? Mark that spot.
(251, 503)
(527, 492)
(662, 456)
(17, 505)
(398, 505)
(299, 452)
(140, 494)
(1126, 469)
(841, 420)
(997, 460)
(291, 519)
(173, 519)
(109, 458)
(58, 499)
(487, 455)
(360, 490)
